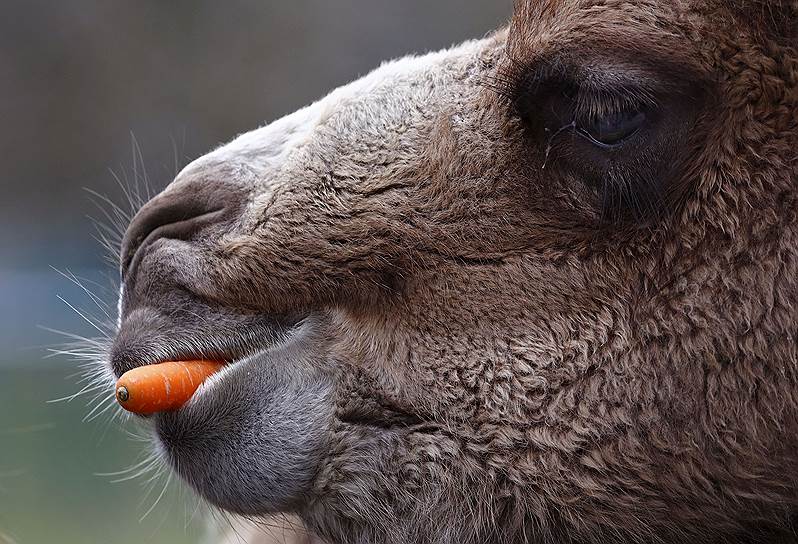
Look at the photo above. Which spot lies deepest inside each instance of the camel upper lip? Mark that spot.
(228, 356)
(137, 344)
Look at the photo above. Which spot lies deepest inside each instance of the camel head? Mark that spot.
(538, 287)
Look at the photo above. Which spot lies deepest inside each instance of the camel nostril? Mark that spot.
(177, 214)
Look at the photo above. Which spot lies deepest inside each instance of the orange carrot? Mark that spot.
(162, 387)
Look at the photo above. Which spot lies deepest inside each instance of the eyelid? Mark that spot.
(580, 103)
(591, 106)
(596, 87)
(585, 134)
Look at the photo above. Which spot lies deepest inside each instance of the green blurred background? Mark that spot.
(93, 90)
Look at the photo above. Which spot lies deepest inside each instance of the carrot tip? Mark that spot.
(122, 394)
(162, 387)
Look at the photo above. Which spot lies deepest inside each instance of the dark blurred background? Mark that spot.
(94, 91)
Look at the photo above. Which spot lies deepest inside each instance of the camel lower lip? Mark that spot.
(232, 442)
(294, 337)
(219, 375)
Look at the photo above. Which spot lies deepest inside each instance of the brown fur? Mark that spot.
(513, 365)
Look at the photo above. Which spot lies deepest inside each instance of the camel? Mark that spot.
(538, 287)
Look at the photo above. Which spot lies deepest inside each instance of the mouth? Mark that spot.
(253, 434)
(163, 387)
(148, 338)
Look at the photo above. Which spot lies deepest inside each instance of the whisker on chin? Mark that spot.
(101, 407)
(146, 465)
(161, 494)
(85, 390)
(113, 414)
(219, 521)
(95, 380)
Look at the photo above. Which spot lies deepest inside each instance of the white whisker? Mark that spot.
(86, 319)
(144, 177)
(160, 496)
(133, 206)
(102, 305)
(118, 211)
(98, 342)
(98, 405)
(69, 398)
(151, 465)
(147, 460)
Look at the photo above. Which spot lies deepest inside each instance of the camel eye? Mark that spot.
(615, 128)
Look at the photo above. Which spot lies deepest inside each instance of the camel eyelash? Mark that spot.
(587, 94)
(590, 106)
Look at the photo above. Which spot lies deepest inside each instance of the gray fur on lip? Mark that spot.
(251, 440)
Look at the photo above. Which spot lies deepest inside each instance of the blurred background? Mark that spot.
(99, 95)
